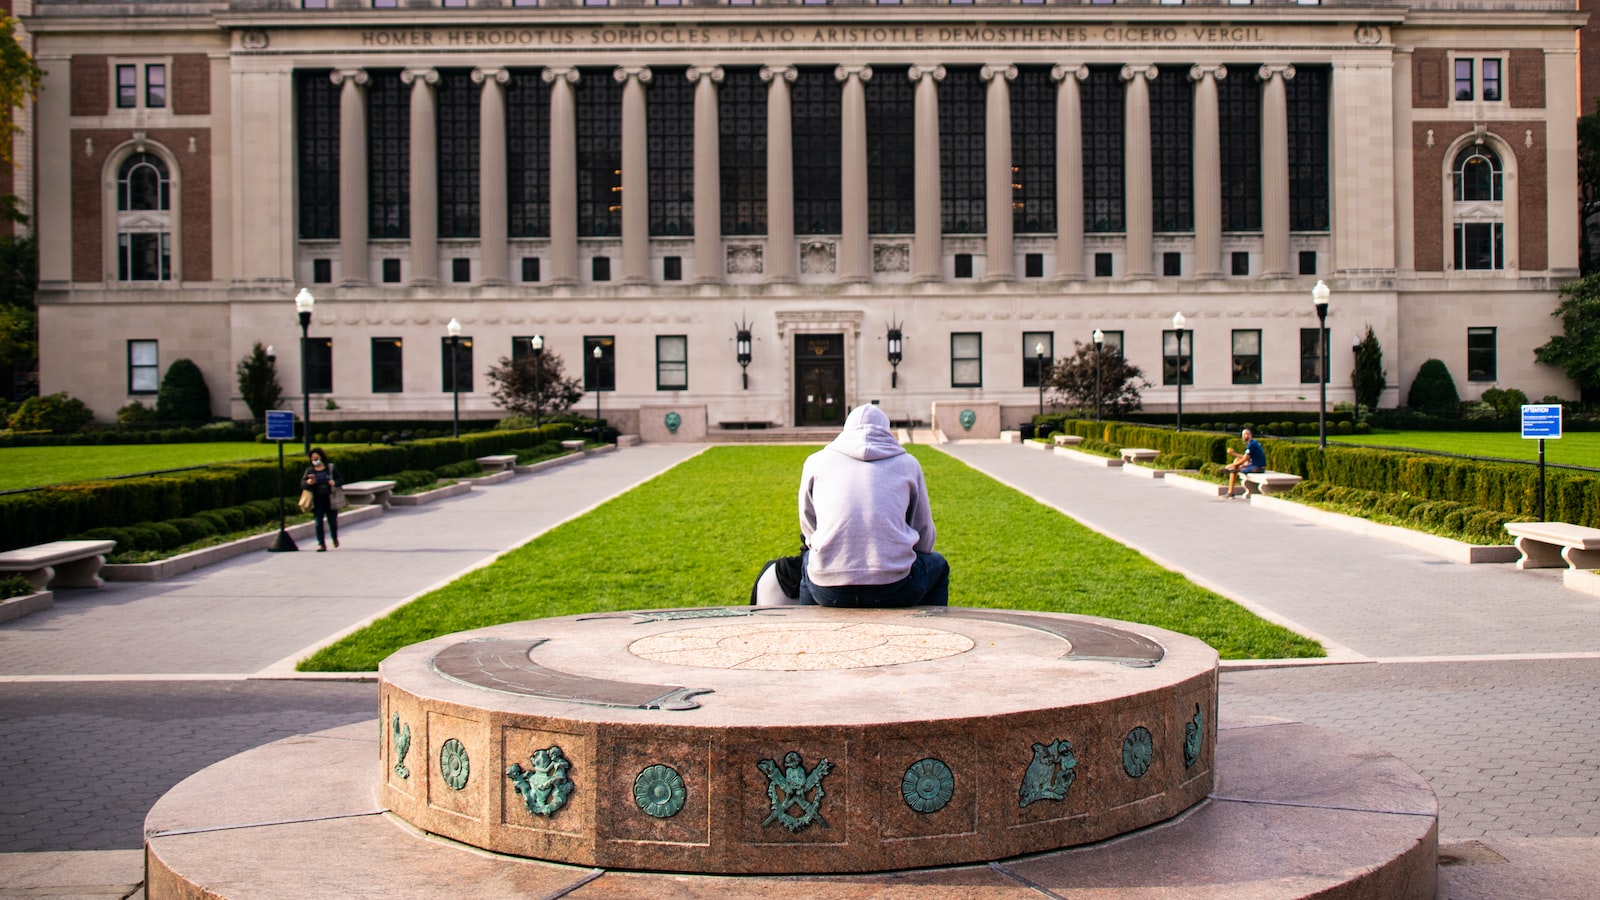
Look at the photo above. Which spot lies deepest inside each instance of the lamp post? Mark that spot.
(598, 355)
(1177, 324)
(1319, 296)
(1355, 353)
(1038, 353)
(895, 355)
(454, 330)
(538, 373)
(741, 347)
(303, 303)
(1099, 344)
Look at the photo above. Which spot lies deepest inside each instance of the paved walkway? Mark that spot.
(1481, 677)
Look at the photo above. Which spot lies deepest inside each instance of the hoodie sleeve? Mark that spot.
(808, 508)
(920, 515)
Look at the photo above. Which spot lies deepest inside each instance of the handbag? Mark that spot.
(305, 501)
(336, 500)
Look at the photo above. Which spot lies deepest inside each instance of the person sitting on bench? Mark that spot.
(1253, 459)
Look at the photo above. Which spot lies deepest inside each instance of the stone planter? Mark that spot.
(162, 569)
(450, 490)
(17, 607)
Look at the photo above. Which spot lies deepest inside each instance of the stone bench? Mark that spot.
(59, 564)
(572, 445)
(367, 493)
(1547, 545)
(1139, 454)
(1067, 440)
(498, 463)
(1269, 482)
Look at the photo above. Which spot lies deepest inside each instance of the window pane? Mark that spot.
(1481, 354)
(1033, 151)
(891, 143)
(1172, 149)
(1102, 151)
(528, 155)
(143, 372)
(670, 152)
(1307, 97)
(1463, 79)
(966, 360)
(317, 118)
(386, 366)
(127, 87)
(1171, 360)
(463, 366)
(1247, 357)
(815, 113)
(742, 145)
(144, 257)
(599, 374)
(672, 366)
(1031, 342)
(155, 86)
(458, 100)
(1491, 79)
(1239, 107)
(1310, 359)
(319, 365)
(961, 151)
(598, 99)
(388, 155)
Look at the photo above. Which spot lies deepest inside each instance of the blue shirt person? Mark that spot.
(1253, 459)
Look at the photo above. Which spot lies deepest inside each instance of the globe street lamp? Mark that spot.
(598, 431)
(1038, 352)
(1319, 296)
(1177, 324)
(1355, 351)
(537, 344)
(1099, 344)
(303, 303)
(454, 330)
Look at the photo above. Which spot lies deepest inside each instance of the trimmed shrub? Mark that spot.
(184, 396)
(14, 586)
(467, 468)
(169, 535)
(1434, 391)
(58, 413)
(136, 415)
(412, 479)
(142, 537)
(193, 529)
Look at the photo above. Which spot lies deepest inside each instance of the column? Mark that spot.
(635, 175)
(424, 176)
(1069, 171)
(563, 176)
(492, 176)
(1207, 171)
(353, 266)
(928, 243)
(782, 254)
(1404, 223)
(855, 256)
(708, 262)
(1275, 170)
(1561, 152)
(1137, 193)
(1000, 265)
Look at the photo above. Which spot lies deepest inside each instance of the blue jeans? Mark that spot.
(927, 584)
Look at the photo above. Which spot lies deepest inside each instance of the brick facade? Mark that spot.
(1526, 88)
(191, 84)
(1430, 79)
(91, 85)
(1533, 237)
(193, 179)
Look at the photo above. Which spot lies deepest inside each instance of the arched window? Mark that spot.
(144, 219)
(1478, 212)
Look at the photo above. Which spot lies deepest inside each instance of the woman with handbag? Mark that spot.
(323, 487)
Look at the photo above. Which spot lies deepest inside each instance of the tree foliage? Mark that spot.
(183, 396)
(58, 412)
(19, 83)
(532, 385)
(1577, 349)
(1588, 183)
(258, 382)
(1369, 378)
(1434, 390)
(1073, 380)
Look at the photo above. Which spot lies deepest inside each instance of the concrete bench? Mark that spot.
(1546, 545)
(367, 493)
(1139, 454)
(1067, 440)
(497, 463)
(59, 564)
(572, 445)
(1269, 482)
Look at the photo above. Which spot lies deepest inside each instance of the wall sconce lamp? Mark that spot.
(895, 355)
(742, 349)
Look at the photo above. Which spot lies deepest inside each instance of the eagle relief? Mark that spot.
(1051, 773)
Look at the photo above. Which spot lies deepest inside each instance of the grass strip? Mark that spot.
(698, 535)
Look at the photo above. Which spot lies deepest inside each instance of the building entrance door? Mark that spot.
(819, 380)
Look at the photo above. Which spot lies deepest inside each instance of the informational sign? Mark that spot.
(280, 425)
(1541, 420)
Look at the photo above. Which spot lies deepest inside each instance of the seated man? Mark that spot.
(1253, 459)
(866, 523)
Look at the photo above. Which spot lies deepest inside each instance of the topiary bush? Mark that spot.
(1434, 390)
(58, 413)
(193, 529)
(184, 396)
(136, 415)
(467, 468)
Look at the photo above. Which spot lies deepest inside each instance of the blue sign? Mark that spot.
(280, 425)
(1541, 420)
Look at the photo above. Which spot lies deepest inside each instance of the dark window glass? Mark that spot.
(1241, 262)
(891, 149)
(1491, 79)
(1310, 359)
(321, 271)
(1102, 152)
(963, 265)
(1033, 362)
(155, 86)
(961, 155)
(742, 145)
(144, 367)
(1113, 343)
(815, 114)
(127, 87)
(530, 268)
(600, 268)
(672, 363)
(670, 149)
(527, 154)
(1247, 357)
(600, 374)
(460, 270)
(1308, 262)
(458, 100)
(463, 367)
(317, 114)
(1171, 264)
(672, 268)
(313, 4)
(1479, 245)
(386, 366)
(966, 359)
(1172, 149)
(598, 97)
(1481, 350)
(1477, 174)
(521, 347)
(1033, 265)
(385, 4)
(1102, 265)
(1308, 148)
(1239, 113)
(388, 155)
(142, 184)
(1033, 151)
(144, 256)
(1174, 358)
(391, 271)
(1463, 79)
(319, 365)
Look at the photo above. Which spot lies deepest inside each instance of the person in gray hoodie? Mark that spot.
(866, 523)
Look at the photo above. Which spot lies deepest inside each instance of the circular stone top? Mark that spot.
(800, 646)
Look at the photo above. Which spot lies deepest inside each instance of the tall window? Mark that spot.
(527, 154)
(1491, 79)
(146, 83)
(672, 362)
(891, 146)
(742, 145)
(1481, 355)
(961, 151)
(670, 149)
(815, 114)
(144, 219)
(144, 367)
(1102, 151)
(600, 374)
(598, 98)
(319, 365)
(388, 155)
(1311, 357)
(461, 373)
(1307, 99)
(1477, 181)
(387, 372)
(459, 100)
(966, 359)
(1464, 79)
(127, 87)
(1239, 108)
(1038, 355)
(1176, 359)
(1172, 150)
(317, 120)
(155, 86)
(1112, 343)
(1033, 151)
(1247, 356)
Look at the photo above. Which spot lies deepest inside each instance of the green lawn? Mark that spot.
(1581, 448)
(22, 467)
(698, 535)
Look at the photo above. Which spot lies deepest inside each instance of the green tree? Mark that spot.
(1588, 184)
(58, 412)
(183, 397)
(1577, 349)
(19, 83)
(258, 382)
(532, 385)
(1073, 380)
(1369, 378)
(1434, 391)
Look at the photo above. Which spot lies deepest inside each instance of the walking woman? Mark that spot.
(323, 481)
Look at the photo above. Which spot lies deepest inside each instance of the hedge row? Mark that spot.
(53, 513)
(1206, 446)
(201, 435)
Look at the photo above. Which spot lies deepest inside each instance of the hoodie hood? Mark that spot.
(866, 436)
